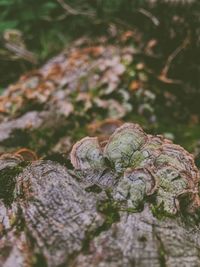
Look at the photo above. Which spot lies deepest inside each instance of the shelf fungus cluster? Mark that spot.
(139, 167)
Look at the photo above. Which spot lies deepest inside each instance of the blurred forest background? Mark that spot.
(151, 51)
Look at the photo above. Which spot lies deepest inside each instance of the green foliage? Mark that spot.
(36, 22)
(47, 25)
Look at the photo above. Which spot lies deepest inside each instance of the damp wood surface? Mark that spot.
(130, 202)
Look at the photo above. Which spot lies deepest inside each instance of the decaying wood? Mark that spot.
(62, 92)
(55, 216)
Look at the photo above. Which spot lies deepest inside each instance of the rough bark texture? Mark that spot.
(54, 216)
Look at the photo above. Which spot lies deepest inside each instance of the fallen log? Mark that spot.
(130, 200)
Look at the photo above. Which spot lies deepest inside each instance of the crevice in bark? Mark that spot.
(161, 250)
(109, 209)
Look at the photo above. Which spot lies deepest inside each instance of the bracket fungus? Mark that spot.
(139, 166)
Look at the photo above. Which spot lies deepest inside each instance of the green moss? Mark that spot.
(133, 210)
(142, 239)
(94, 188)
(160, 213)
(7, 183)
(110, 210)
(37, 136)
(38, 260)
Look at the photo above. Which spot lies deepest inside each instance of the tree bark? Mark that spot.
(57, 220)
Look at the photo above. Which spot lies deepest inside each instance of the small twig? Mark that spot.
(21, 52)
(70, 10)
(124, 24)
(59, 18)
(171, 57)
(146, 13)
